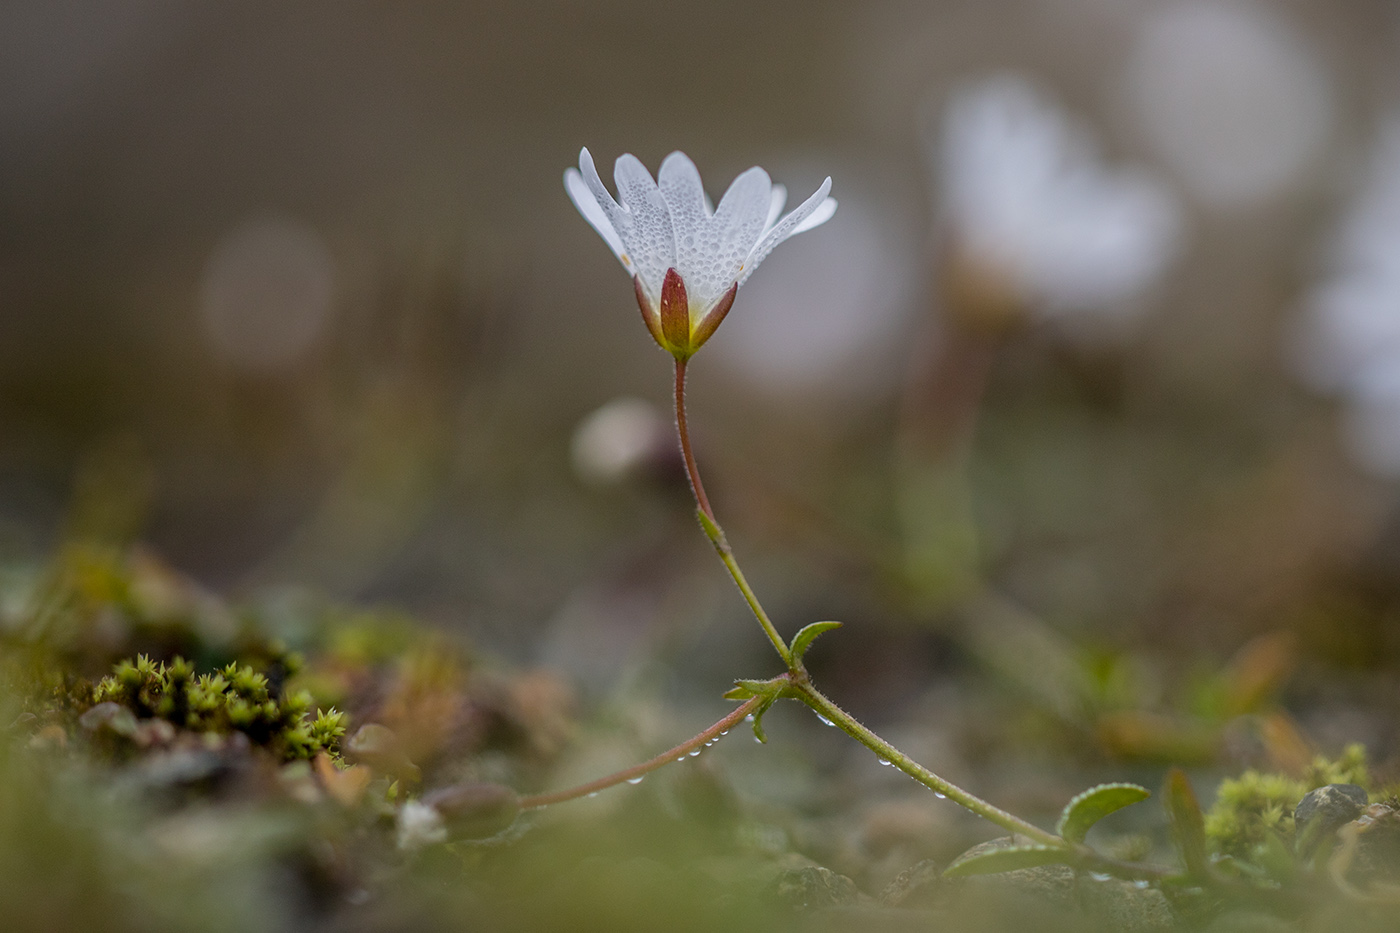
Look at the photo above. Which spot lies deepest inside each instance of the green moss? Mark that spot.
(236, 698)
(1256, 806)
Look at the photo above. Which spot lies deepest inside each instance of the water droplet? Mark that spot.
(1100, 876)
(680, 759)
(1142, 884)
(594, 794)
(884, 762)
(940, 795)
(694, 753)
(758, 740)
(725, 732)
(635, 780)
(826, 721)
(748, 718)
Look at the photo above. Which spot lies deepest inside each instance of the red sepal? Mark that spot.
(711, 321)
(649, 315)
(675, 314)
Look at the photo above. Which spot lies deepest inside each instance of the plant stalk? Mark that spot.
(714, 532)
(799, 685)
(635, 772)
(803, 690)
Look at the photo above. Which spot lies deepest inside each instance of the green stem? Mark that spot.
(635, 772)
(803, 689)
(714, 532)
(797, 682)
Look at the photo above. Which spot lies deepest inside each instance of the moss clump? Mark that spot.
(234, 699)
(1255, 806)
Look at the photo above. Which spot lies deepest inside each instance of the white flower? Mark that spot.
(1026, 193)
(687, 259)
(1349, 338)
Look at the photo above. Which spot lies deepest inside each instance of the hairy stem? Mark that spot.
(714, 532)
(682, 750)
(799, 685)
(697, 487)
(803, 689)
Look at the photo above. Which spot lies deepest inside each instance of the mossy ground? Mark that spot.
(174, 762)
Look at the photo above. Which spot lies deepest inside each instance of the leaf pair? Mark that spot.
(1078, 816)
(774, 690)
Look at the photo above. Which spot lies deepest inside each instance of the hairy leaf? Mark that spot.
(1094, 804)
(992, 861)
(803, 639)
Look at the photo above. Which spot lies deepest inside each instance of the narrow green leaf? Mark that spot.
(992, 861)
(1187, 823)
(761, 688)
(757, 714)
(739, 692)
(803, 639)
(1094, 804)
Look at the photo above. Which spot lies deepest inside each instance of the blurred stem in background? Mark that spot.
(943, 395)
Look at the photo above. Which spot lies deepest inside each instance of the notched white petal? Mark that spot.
(684, 194)
(738, 224)
(650, 238)
(593, 212)
(589, 171)
(784, 229)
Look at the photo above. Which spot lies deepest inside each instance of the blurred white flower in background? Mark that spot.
(1348, 341)
(618, 441)
(824, 320)
(1231, 96)
(265, 295)
(1025, 193)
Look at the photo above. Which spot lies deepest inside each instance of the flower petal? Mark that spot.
(713, 262)
(785, 228)
(680, 186)
(650, 239)
(593, 212)
(775, 206)
(821, 215)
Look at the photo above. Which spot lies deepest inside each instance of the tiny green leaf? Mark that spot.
(992, 861)
(757, 714)
(1187, 823)
(739, 692)
(803, 639)
(1094, 804)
